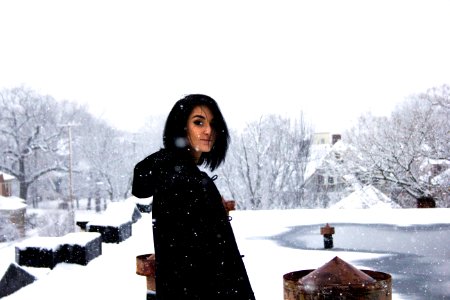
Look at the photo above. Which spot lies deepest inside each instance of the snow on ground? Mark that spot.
(112, 275)
(366, 197)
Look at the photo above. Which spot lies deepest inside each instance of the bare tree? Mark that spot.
(30, 141)
(101, 152)
(266, 164)
(105, 157)
(34, 147)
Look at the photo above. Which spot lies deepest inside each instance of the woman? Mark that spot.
(196, 252)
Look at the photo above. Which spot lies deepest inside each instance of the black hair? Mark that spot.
(175, 130)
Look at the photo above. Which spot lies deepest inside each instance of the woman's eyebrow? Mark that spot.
(198, 116)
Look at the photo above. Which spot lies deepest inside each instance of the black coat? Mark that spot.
(196, 252)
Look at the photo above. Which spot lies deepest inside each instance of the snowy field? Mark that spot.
(113, 274)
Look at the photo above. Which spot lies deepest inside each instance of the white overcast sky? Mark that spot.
(129, 60)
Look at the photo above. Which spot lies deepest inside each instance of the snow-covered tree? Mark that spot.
(402, 149)
(36, 148)
(266, 163)
(105, 157)
(29, 135)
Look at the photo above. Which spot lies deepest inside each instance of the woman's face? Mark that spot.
(200, 133)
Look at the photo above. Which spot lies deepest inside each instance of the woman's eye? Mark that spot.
(198, 122)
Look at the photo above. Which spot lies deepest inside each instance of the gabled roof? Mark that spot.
(12, 203)
(7, 177)
(318, 153)
(321, 153)
(443, 178)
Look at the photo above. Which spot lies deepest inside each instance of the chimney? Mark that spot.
(335, 138)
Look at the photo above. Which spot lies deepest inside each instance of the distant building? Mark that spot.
(12, 211)
(5, 184)
(325, 182)
(12, 218)
(325, 138)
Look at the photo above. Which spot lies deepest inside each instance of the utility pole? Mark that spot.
(70, 168)
(70, 205)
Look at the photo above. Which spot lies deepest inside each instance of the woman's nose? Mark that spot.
(208, 129)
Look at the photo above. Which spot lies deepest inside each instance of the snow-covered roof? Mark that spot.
(318, 153)
(430, 161)
(340, 146)
(79, 238)
(7, 177)
(47, 242)
(54, 242)
(367, 197)
(443, 178)
(117, 214)
(12, 203)
(119, 281)
(321, 153)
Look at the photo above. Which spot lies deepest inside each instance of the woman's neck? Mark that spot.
(195, 155)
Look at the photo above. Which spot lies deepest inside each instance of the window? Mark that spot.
(320, 179)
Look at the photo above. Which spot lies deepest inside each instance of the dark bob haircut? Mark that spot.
(175, 130)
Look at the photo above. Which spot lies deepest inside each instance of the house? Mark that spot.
(5, 184)
(326, 180)
(12, 218)
(325, 138)
(12, 211)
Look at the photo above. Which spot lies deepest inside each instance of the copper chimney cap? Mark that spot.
(336, 272)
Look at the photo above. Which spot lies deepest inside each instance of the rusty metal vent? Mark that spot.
(337, 280)
(336, 272)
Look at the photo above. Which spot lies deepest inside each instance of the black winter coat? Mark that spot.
(196, 252)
